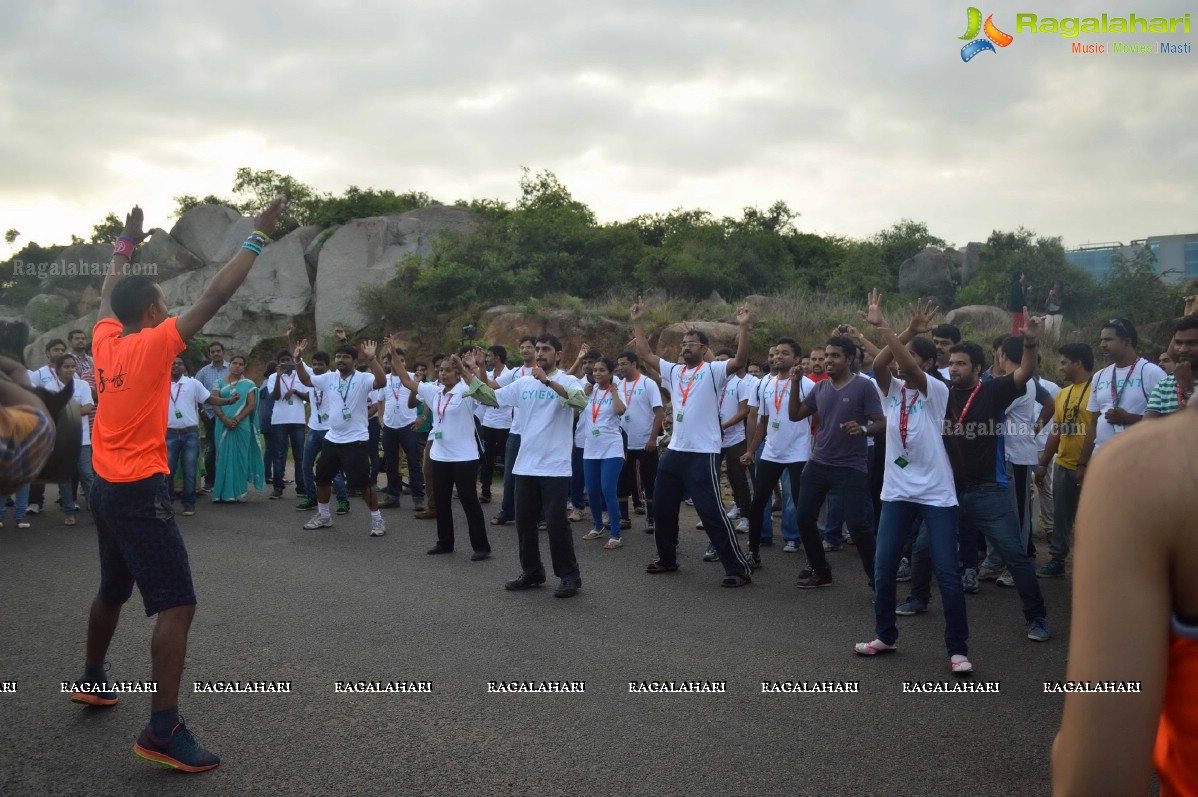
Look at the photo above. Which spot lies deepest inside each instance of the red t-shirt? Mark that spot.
(133, 374)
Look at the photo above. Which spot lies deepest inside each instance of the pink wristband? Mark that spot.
(124, 247)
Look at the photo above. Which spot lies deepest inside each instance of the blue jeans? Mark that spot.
(20, 503)
(682, 472)
(507, 511)
(767, 475)
(283, 434)
(602, 478)
(185, 446)
(85, 475)
(406, 440)
(899, 518)
(989, 511)
(853, 486)
(578, 480)
(308, 468)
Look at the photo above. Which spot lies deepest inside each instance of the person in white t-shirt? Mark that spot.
(183, 432)
(65, 366)
(399, 435)
(1119, 392)
(734, 410)
(454, 451)
(318, 427)
(599, 426)
(787, 443)
(528, 353)
(692, 464)
(287, 421)
(345, 446)
(917, 484)
(545, 401)
(642, 424)
(496, 424)
(44, 377)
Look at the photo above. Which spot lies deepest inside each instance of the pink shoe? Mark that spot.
(961, 665)
(874, 648)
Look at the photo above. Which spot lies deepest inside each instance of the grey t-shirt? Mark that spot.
(856, 401)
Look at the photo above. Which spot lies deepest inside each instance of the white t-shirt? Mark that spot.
(506, 378)
(341, 398)
(736, 390)
(928, 477)
(1054, 390)
(47, 377)
(185, 395)
(1019, 441)
(546, 422)
(641, 397)
(599, 426)
(1132, 386)
(318, 419)
(83, 396)
(397, 414)
(289, 410)
(497, 417)
(453, 436)
(695, 394)
(785, 440)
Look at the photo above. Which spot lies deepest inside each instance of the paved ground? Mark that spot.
(280, 603)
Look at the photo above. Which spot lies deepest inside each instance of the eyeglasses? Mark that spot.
(689, 344)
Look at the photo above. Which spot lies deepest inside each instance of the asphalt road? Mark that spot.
(314, 607)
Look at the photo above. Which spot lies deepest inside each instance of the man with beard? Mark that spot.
(1172, 392)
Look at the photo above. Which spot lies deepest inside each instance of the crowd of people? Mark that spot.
(918, 450)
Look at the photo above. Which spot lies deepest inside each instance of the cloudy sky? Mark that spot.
(856, 114)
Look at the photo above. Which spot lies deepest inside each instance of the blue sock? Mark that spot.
(94, 675)
(164, 721)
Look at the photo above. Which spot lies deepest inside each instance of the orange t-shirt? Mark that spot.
(133, 374)
(1176, 754)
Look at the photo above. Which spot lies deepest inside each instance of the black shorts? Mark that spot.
(352, 459)
(140, 544)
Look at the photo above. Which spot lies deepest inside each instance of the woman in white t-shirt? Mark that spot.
(64, 374)
(603, 449)
(454, 451)
(918, 482)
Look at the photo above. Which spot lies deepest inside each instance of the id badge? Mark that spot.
(627, 418)
(323, 417)
(289, 402)
(178, 414)
(678, 418)
(775, 424)
(594, 433)
(347, 415)
(436, 435)
(902, 460)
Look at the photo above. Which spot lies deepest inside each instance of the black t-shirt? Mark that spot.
(975, 446)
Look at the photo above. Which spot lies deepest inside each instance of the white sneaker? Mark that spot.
(33, 509)
(320, 522)
(689, 502)
(574, 516)
(699, 525)
(960, 665)
(1005, 580)
(790, 547)
(734, 513)
(377, 527)
(742, 526)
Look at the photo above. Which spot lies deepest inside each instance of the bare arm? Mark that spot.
(304, 377)
(226, 282)
(1027, 366)
(640, 339)
(796, 407)
(120, 262)
(1122, 602)
(742, 412)
(744, 320)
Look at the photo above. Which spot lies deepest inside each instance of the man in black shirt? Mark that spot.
(973, 437)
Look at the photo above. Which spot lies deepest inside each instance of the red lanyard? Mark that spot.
(290, 385)
(1181, 399)
(686, 391)
(1115, 397)
(968, 404)
(596, 406)
(905, 413)
(628, 393)
(441, 412)
(395, 388)
(178, 390)
(778, 397)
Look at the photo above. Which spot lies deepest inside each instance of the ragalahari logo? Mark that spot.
(993, 34)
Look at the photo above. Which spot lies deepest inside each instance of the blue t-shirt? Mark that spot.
(856, 401)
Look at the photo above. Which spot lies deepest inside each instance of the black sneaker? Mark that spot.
(525, 581)
(649, 527)
(179, 750)
(276, 494)
(809, 579)
(438, 549)
(567, 589)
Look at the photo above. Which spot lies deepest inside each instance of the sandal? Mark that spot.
(874, 648)
(594, 534)
(70, 521)
(738, 580)
(658, 566)
(961, 665)
(613, 544)
(498, 521)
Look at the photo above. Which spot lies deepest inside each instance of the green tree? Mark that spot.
(108, 230)
(11, 235)
(357, 203)
(186, 202)
(260, 188)
(875, 261)
(1134, 290)
(1041, 260)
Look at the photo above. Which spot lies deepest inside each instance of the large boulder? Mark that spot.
(979, 317)
(43, 307)
(205, 231)
(35, 352)
(365, 252)
(84, 260)
(507, 327)
(167, 256)
(929, 273)
(969, 261)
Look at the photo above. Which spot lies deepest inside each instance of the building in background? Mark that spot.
(1174, 257)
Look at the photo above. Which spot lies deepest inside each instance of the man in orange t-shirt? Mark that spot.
(134, 344)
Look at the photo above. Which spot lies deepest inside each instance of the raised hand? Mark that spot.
(299, 349)
(290, 330)
(268, 220)
(796, 372)
(638, 310)
(369, 347)
(873, 314)
(922, 315)
(1032, 325)
(133, 224)
(538, 374)
(744, 316)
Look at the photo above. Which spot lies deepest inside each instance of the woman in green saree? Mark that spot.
(238, 457)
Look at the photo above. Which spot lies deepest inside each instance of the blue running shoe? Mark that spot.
(179, 750)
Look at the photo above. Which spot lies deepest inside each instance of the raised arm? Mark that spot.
(1031, 335)
(370, 350)
(640, 339)
(797, 408)
(744, 322)
(304, 377)
(130, 237)
(226, 282)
